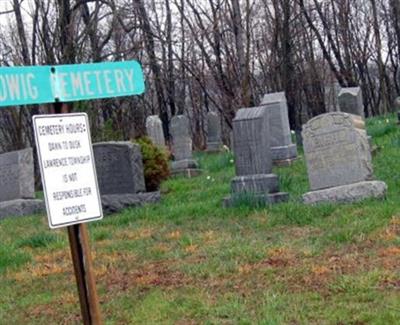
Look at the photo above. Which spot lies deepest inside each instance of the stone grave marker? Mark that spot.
(155, 130)
(338, 159)
(397, 103)
(183, 163)
(351, 101)
(17, 184)
(397, 108)
(331, 93)
(253, 160)
(120, 175)
(283, 150)
(214, 141)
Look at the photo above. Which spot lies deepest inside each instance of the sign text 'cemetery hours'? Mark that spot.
(67, 166)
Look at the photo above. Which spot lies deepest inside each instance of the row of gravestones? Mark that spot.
(283, 150)
(335, 145)
(119, 171)
(336, 149)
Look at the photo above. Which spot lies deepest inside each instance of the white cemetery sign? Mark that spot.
(67, 166)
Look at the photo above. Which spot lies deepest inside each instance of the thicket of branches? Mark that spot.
(201, 55)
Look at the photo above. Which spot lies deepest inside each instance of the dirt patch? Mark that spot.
(145, 276)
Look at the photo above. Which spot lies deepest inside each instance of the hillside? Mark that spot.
(187, 260)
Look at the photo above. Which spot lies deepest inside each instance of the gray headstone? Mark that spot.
(253, 161)
(281, 141)
(17, 175)
(331, 93)
(397, 103)
(351, 101)
(119, 167)
(279, 119)
(336, 150)
(251, 141)
(155, 130)
(214, 141)
(181, 139)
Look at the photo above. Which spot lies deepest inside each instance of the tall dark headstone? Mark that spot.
(214, 141)
(253, 161)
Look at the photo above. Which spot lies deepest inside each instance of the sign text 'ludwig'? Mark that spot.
(71, 82)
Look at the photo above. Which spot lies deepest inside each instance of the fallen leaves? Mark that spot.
(174, 235)
(390, 251)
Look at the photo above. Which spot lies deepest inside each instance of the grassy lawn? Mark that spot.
(187, 260)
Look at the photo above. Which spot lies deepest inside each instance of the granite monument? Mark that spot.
(183, 163)
(351, 101)
(155, 130)
(284, 152)
(120, 175)
(17, 184)
(214, 141)
(253, 159)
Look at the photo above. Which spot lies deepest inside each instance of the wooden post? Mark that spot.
(83, 265)
(85, 279)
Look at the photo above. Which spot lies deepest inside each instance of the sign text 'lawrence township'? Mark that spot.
(67, 168)
(64, 83)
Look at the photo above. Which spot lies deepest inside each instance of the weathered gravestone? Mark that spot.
(253, 161)
(397, 108)
(120, 175)
(183, 163)
(397, 104)
(331, 93)
(214, 141)
(282, 148)
(351, 101)
(338, 160)
(17, 184)
(155, 130)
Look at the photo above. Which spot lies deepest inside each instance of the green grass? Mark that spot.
(186, 260)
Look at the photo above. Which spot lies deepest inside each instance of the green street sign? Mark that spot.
(70, 82)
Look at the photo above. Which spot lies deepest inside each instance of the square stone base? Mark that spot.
(261, 183)
(347, 193)
(186, 172)
(284, 152)
(21, 207)
(116, 202)
(285, 162)
(183, 164)
(213, 147)
(254, 199)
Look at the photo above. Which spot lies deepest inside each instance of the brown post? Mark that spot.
(85, 278)
(83, 265)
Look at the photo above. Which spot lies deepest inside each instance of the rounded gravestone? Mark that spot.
(155, 130)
